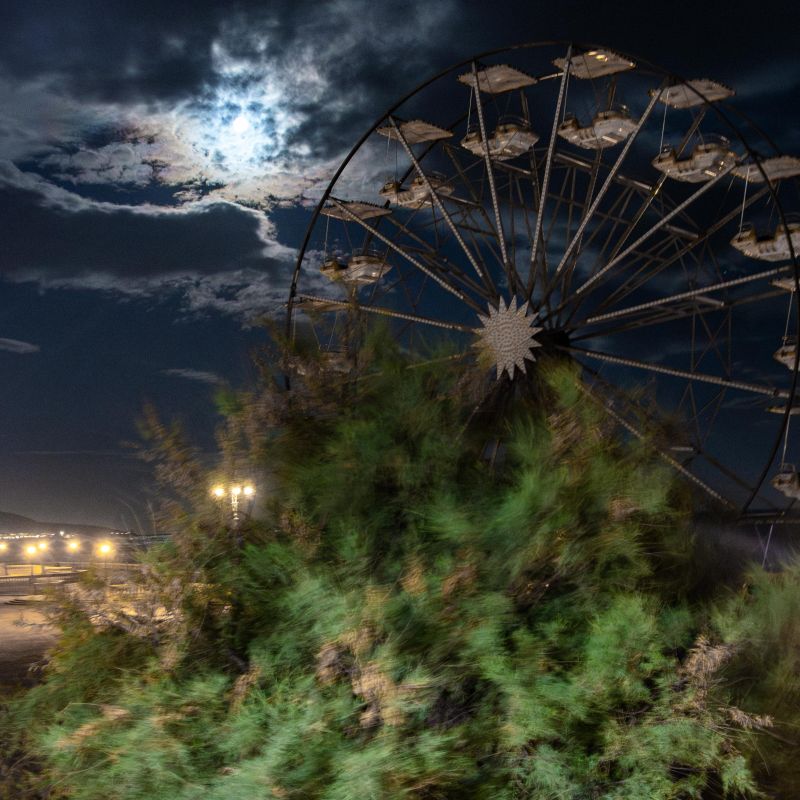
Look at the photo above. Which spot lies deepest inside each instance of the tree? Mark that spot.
(418, 615)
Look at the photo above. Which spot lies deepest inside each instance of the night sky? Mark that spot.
(158, 164)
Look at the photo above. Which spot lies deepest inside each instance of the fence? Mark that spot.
(54, 576)
(34, 584)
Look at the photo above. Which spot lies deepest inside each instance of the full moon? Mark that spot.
(241, 124)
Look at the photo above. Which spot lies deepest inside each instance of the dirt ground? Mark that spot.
(23, 642)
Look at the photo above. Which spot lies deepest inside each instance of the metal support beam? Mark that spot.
(680, 373)
(387, 312)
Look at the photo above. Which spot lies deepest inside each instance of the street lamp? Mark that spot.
(3, 551)
(235, 492)
(30, 552)
(105, 551)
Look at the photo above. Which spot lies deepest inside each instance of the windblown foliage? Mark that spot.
(424, 612)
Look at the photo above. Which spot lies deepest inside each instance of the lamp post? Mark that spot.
(105, 551)
(30, 553)
(73, 546)
(41, 547)
(238, 494)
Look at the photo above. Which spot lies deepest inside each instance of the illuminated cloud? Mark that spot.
(193, 375)
(17, 346)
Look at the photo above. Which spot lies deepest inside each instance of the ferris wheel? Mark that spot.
(561, 199)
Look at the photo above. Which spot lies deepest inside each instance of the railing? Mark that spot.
(33, 584)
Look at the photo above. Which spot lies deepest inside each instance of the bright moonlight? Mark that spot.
(241, 124)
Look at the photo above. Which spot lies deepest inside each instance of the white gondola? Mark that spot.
(769, 248)
(511, 138)
(366, 268)
(786, 283)
(415, 131)
(786, 354)
(595, 64)
(694, 93)
(318, 304)
(497, 79)
(775, 169)
(607, 128)
(782, 409)
(357, 208)
(333, 360)
(417, 194)
(333, 269)
(706, 161)
(787, 481)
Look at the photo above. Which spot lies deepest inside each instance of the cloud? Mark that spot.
(281, 69)
(17, 346)
(80, 170)
(246, 295)
(213, 254)
(47, 194)
(193, 375)
(777, 77)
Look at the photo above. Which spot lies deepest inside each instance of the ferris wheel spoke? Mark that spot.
(446, 285)
(695, 451)
(385, 312)
(434, 195)
(690, 375)
(687, 295)
(733, 476)
(658, 226)
(628, 287)
(652, 261)
(666, 457)
(548, 166)
(510, 270)
(429, 250)
(666, 315)
(656, 189)
(711, 339)
(615, 218)
(475, 197)
(608, 181)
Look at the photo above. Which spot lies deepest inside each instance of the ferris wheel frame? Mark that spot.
(724, 114)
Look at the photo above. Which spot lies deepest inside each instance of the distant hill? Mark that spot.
(16, 523)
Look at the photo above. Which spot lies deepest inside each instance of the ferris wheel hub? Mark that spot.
(508, 336)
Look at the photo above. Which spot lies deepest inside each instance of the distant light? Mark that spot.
(3, 547)
(104, 549)
(42, 545)
(236, 490)
(241, 124)
(30, 550)
(218, 491)
(61, 533)
(249, 491)
(73, 546)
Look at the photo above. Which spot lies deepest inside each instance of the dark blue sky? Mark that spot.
(142, 229)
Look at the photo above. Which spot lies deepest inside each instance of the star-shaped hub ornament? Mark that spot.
(508, 336)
